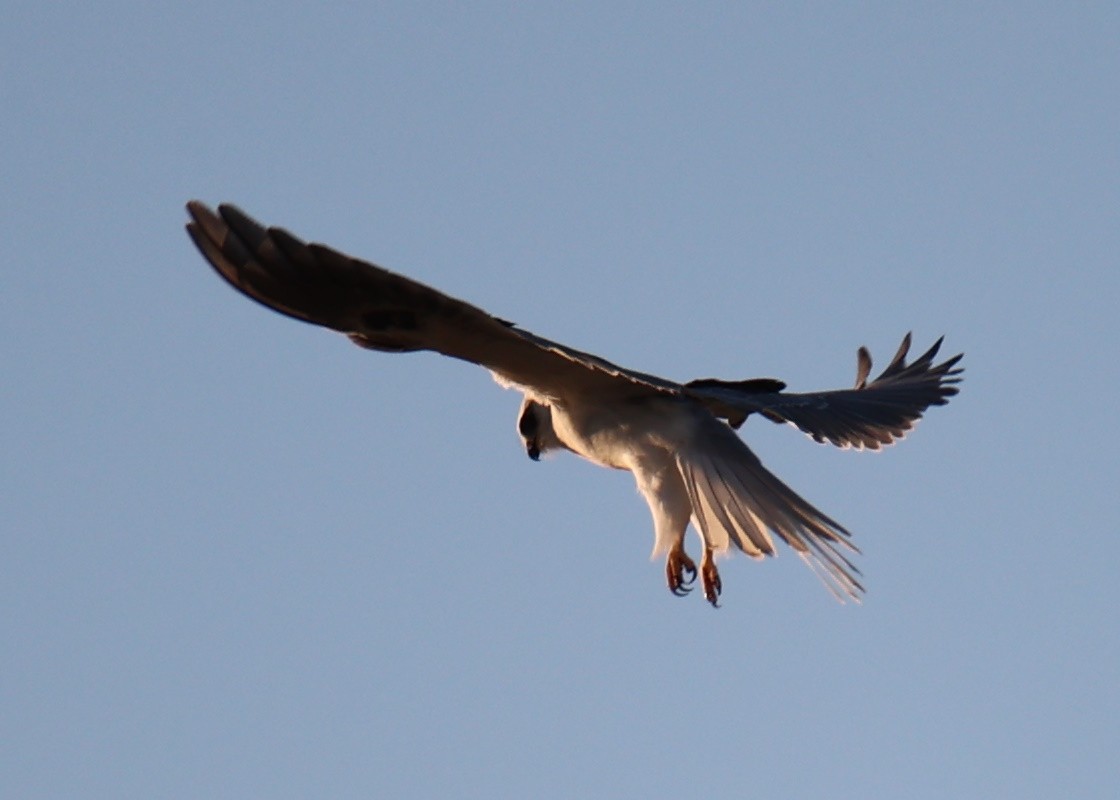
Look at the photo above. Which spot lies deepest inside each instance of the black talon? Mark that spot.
(712, 596)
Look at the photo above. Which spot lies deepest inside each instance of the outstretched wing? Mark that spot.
(870, 415)
(380, 310)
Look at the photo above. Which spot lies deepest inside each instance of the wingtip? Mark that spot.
(230, 212)
(205, 222)
(863, 366)
(903, 348)
(226, 213)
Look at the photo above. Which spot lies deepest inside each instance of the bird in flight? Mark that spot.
(678, 439)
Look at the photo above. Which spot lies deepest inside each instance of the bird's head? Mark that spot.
(534, 425)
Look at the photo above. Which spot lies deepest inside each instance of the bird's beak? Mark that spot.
(534, 452)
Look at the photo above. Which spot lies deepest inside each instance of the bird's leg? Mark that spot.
(709, 576)
(677, 563)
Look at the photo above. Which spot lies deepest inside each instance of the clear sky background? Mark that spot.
(242, 558)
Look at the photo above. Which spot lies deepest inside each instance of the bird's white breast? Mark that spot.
(624, 434)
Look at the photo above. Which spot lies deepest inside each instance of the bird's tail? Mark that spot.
(736, 500)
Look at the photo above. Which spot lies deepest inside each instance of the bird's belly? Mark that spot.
(605, 449)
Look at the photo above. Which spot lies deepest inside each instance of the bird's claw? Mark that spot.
(676, 566)
(713, 586)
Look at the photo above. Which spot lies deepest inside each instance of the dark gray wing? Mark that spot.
(384, 311)
(870, 415)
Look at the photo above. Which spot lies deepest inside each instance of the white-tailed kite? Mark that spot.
(677, 439)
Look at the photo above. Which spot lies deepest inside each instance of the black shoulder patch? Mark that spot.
(384, 320)
(749, 386)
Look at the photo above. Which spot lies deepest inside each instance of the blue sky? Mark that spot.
(243, 558)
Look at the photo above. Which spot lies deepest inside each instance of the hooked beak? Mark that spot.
(533, 451)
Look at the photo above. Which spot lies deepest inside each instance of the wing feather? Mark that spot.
(384, 311)
(870, 415)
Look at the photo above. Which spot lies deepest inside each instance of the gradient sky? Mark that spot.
(242, 558)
